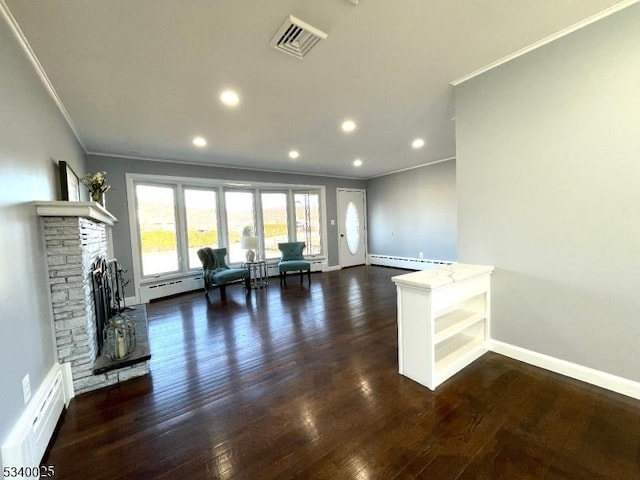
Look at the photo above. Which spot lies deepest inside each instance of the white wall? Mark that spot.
(33, 138)
(548, 169)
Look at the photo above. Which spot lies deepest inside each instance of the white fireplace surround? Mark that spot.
(75, 235)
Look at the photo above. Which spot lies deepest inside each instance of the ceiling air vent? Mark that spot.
(296, 37)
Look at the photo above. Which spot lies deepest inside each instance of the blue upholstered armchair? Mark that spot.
(218, 273)
(293, 261)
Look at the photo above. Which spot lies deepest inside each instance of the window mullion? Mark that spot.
(291, 215)
(258, 220)
(222, 219)
(181, 222)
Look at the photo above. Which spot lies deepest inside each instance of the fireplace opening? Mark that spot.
(121, 337)
(108, 294)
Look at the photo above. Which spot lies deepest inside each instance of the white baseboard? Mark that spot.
(333, 268)
(27, 442)
(614, 383)
(67, 383)
(405, 262)
(316, 266)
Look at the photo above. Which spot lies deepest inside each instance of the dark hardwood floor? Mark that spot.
(302, 383)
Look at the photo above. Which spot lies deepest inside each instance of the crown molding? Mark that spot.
(37, 66)
(219, 165)
(566, 31)
(413, 168)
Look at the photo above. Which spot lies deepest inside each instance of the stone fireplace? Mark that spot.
(76, 235)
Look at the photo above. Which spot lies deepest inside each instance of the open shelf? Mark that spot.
(454, 323)
(456, 361)
(457, 346)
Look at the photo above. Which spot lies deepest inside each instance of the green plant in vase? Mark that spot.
(96, 183)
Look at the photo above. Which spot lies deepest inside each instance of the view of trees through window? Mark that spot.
(164, 209)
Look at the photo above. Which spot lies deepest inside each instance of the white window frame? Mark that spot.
(181, 183)
(323, 238)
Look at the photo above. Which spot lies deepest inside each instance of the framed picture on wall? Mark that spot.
(69, 183)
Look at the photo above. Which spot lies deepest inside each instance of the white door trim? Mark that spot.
(364, 222)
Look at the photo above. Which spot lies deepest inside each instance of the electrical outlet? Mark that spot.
(26, 388)
(421, 255)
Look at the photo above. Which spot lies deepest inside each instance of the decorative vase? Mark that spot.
(98, 197)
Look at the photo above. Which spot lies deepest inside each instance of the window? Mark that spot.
(176, 216)
(274, 222)
(352, 225)
(240, 221)
(157, 227)
(201, 209)
(308, 229)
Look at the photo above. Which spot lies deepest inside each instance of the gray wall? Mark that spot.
(548, 152)
(33, 138)
(116, 198)
(414, 211)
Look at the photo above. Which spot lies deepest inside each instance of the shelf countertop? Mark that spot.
(441, 276)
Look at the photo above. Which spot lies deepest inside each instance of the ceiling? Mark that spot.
(141, 78)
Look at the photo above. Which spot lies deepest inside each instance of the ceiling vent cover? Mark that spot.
(296, 37)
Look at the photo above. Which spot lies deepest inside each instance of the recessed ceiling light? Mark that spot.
(199, 142)
(357, 162)
(348, 126)
(293, 154)
(230, 98)
(417, 143)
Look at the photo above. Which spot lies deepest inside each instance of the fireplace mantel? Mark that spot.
(92, 210)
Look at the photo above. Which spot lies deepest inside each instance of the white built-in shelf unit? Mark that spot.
(443, 320)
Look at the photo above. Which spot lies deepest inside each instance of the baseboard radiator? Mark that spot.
(316, 266)
(406, 262)
(27, 442)
(166, 287)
